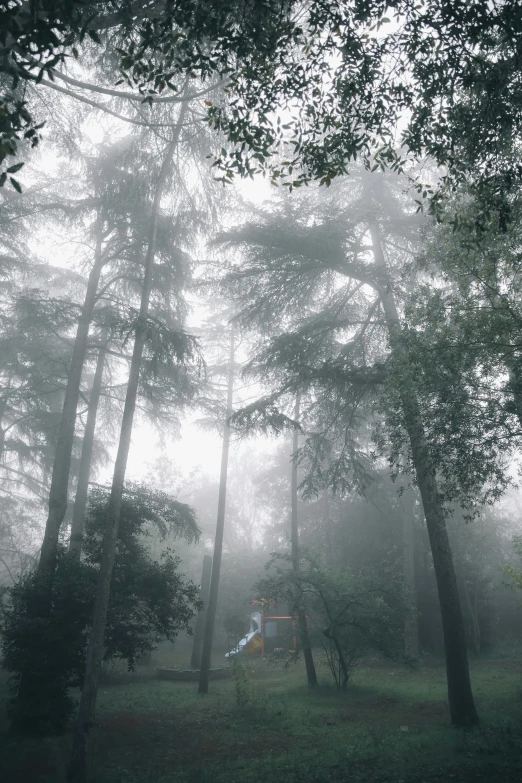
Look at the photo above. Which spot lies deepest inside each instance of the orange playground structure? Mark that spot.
(268, 634)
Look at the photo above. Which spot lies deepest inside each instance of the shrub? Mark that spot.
(350, 614)
(245, 693)
(50, 651)
(150, 601)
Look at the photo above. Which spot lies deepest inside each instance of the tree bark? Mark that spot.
(470, 612)
(3, 408)
(474, 630)
(82, 488)
(411, 625)
(220, 527)
(199, 630)
(302, 626)
(329, 537)
(77, 772)
(460, 696)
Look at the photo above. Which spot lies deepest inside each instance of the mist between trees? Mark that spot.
(282, 238)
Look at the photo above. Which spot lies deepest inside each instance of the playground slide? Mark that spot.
(242, 645)
(255, 629)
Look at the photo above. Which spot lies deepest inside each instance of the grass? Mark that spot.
(390, 726)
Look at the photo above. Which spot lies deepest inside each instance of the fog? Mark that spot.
(260, 392)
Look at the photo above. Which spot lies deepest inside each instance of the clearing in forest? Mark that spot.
(390, 725)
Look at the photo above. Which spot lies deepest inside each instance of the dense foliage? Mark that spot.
(347, 74)
(351, 613)
(150, 601)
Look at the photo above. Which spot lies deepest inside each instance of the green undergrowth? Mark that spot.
(390, 726)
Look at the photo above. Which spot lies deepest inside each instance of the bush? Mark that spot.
(245, 693)
(350, 614)
(149, 601)
(50, 651)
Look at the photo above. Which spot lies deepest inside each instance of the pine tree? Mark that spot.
(294, 265)
(78, 766)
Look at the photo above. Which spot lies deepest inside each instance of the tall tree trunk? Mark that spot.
(29, 685)
(473, 627)
(329, 537)
(470, 613)
(199, 630)
(302, 626)
(64, 444)
(411, 625)
(460, 696)
(3, 408)
(82, 488)
(328, 532)
(77, 772)
(220, 527)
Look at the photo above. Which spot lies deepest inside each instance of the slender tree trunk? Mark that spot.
(82, 489)
(220, 527)
(3, 408)
(343, 673)
(294, 536)
(77, 772)
(40, 606)
(330, 549)
(329, 538)
(460, 696)
(62, 458)
(199, 630)
(411, 625)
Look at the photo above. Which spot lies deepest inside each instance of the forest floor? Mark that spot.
(390, 726)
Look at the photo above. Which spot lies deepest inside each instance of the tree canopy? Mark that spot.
(321, 84)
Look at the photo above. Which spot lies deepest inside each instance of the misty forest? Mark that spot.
(260, 391)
